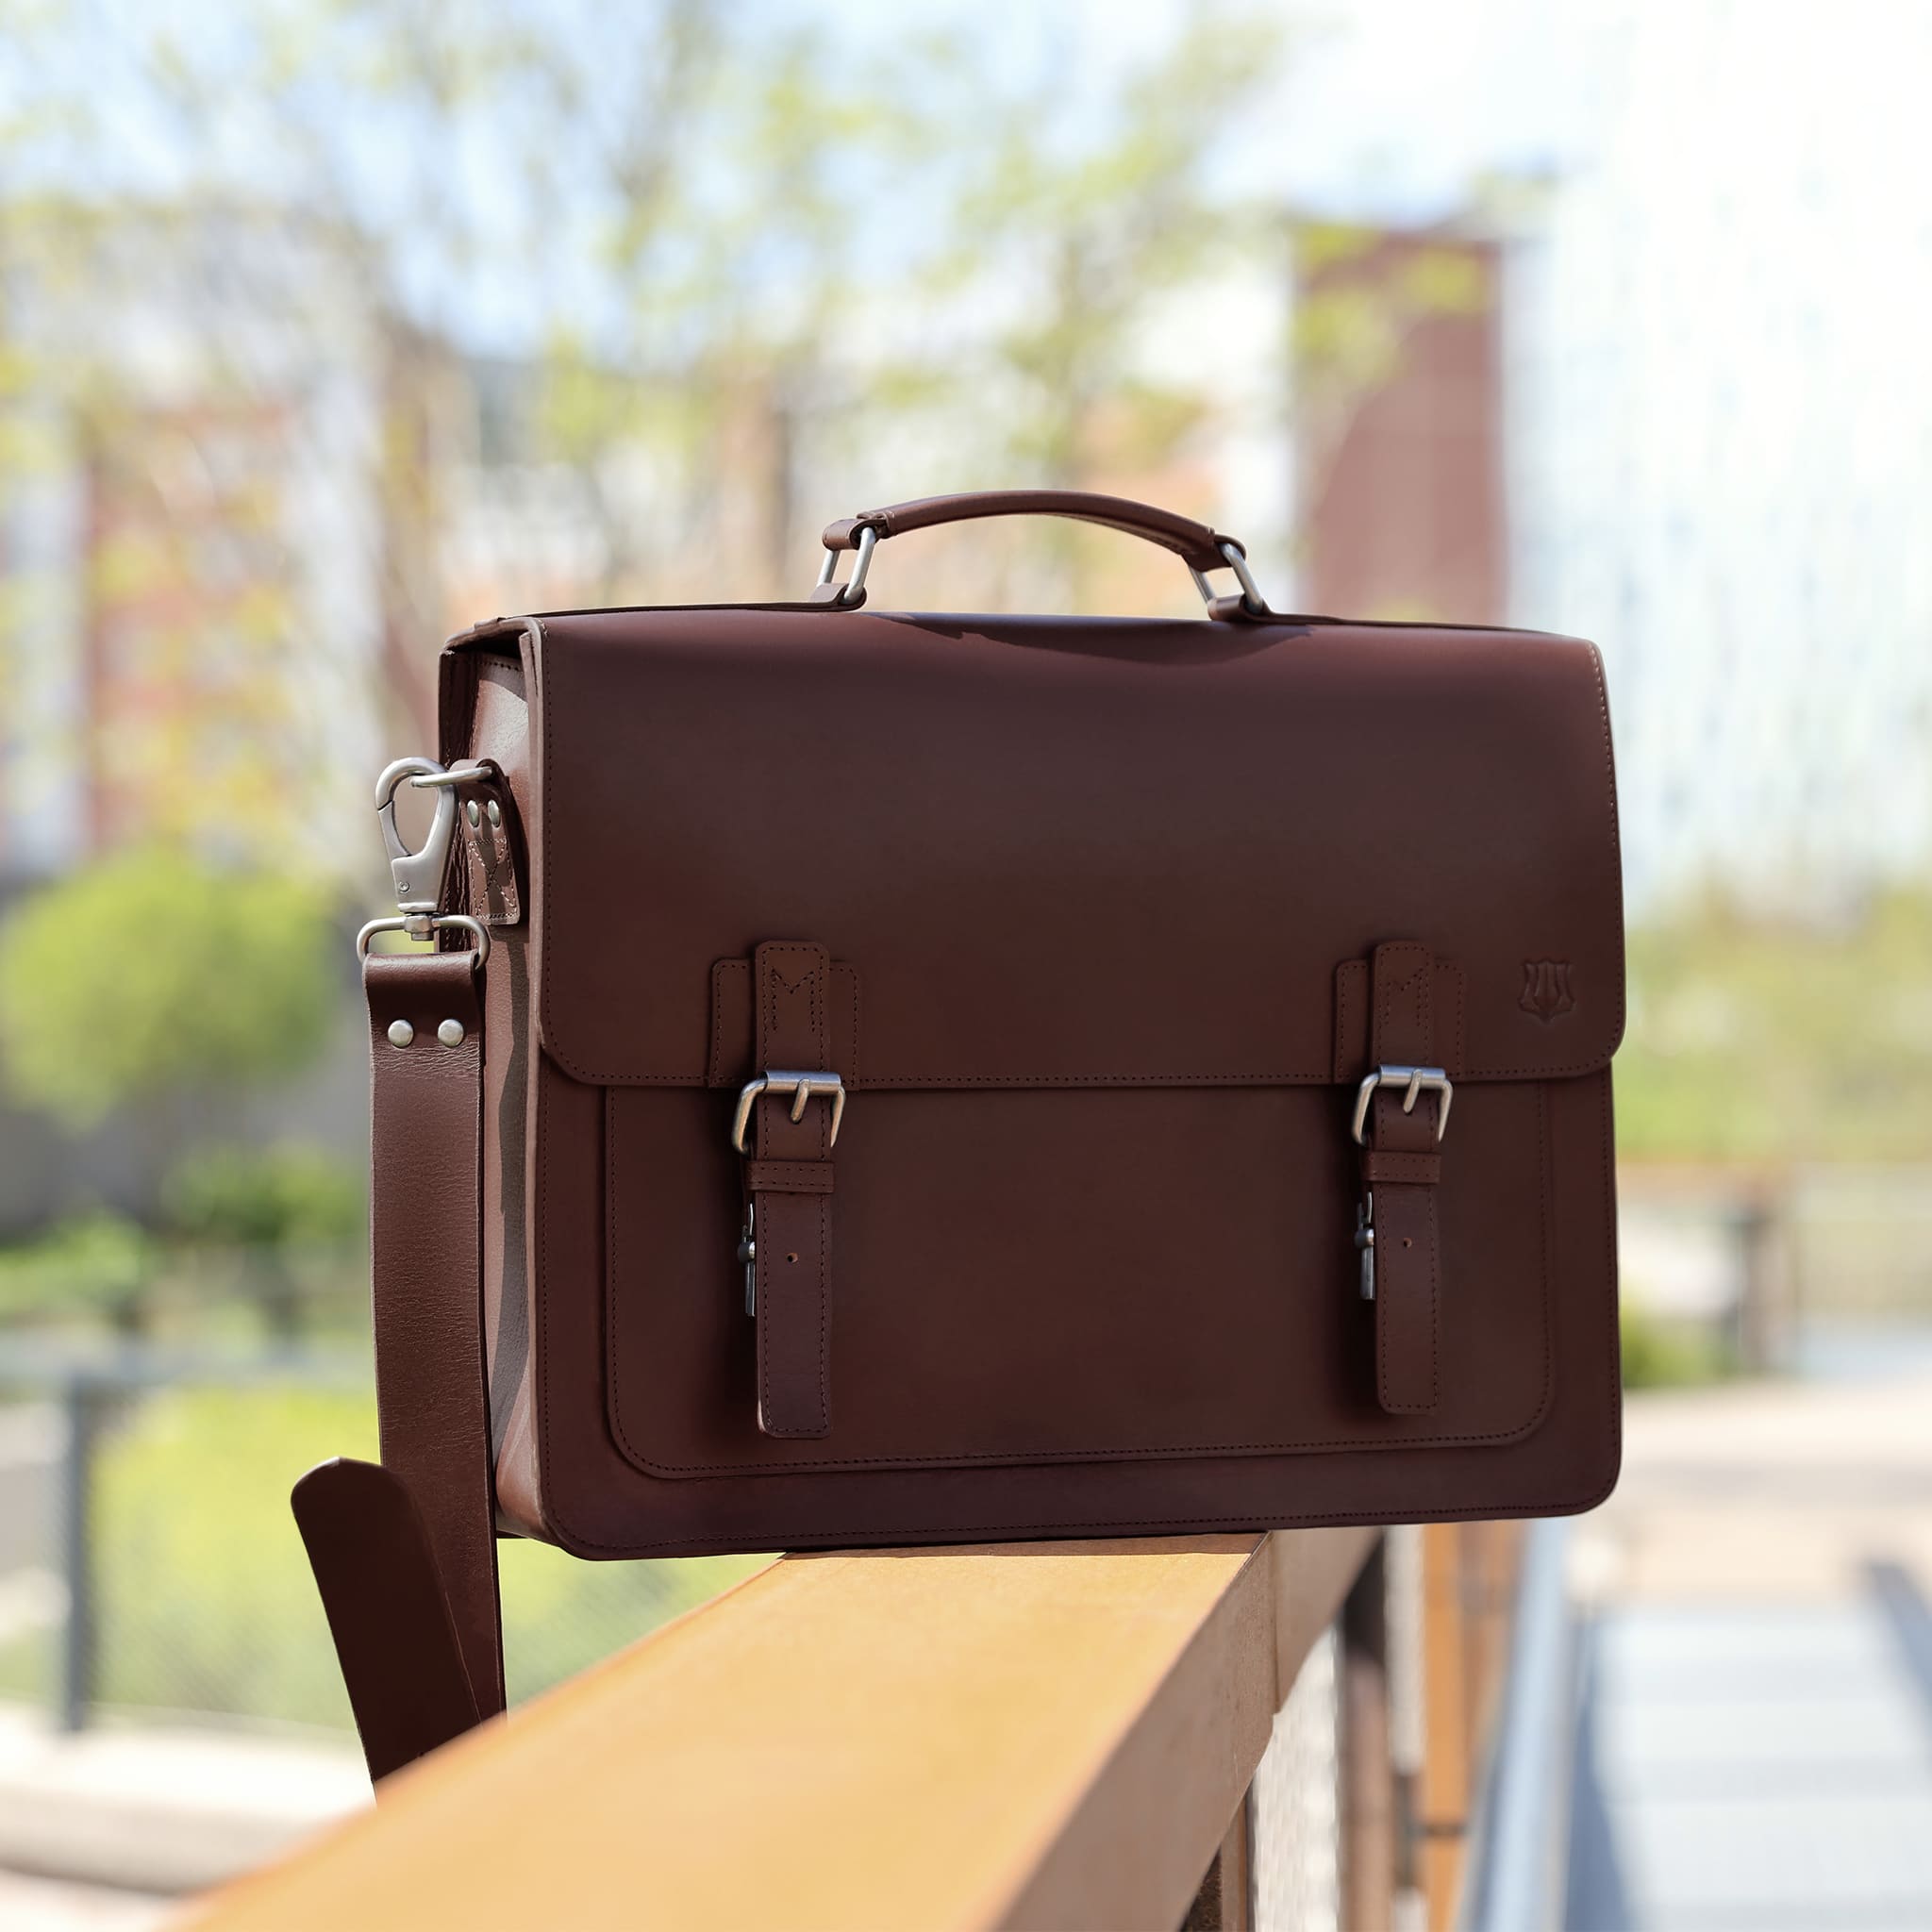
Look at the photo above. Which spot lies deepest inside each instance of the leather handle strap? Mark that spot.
(1193, 543)
(1401, 1169)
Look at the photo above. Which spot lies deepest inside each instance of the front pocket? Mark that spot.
(1033, 1276)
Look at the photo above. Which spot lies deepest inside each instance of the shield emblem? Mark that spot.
(1546, 987)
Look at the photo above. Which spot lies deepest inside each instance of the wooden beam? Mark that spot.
(1035, 1734)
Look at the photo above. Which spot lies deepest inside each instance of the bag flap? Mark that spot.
(1062, 852)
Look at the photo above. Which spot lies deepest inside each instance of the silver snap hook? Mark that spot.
(418, 875)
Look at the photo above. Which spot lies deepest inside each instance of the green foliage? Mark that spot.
(151, 974)
(942, 243)
(1671, 1354)
(96, 1263)
(207, 1603)
(267, 1198)
(1757, 1039)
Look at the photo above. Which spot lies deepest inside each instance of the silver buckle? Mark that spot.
(423, 925)
(1418, 1081)
(803, 1089)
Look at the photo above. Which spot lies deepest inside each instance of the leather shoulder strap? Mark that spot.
(387, 1612)
(425, 1046)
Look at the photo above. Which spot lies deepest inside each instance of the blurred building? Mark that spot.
(1711, 267)
(1404, 505)
(190, 535)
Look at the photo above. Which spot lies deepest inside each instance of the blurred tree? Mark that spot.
(1075, 229)
(423, 293)
(1093, 231)
(738, 288)
(153, 977)
(1758, 1039)
(97, 1264)
(272, 1204)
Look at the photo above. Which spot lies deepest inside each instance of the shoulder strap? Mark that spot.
(409, 1581)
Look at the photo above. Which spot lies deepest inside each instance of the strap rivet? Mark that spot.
(474, 812)
(451, 1033)
(400, 1033)
(494, 812)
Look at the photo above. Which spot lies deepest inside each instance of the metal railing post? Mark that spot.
(1518, 1883)
(79, 1632)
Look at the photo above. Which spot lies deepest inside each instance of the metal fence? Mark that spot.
(1781, 1266)
(149, 1565)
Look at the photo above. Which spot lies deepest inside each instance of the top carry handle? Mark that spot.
(1197, 547)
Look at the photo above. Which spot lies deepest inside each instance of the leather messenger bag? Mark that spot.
(885, 1077)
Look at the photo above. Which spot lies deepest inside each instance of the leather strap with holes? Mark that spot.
(789, 1181)
(1401, 1165)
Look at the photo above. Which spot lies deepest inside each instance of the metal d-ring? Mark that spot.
(1238, 562)
(423, 925)
(862, 562)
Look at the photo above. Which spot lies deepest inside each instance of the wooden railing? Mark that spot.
(1052, 1735)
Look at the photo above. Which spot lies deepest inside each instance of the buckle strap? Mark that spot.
(1401, 1112)
(794, 1119)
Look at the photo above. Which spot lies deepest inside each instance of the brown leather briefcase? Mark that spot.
(889, 1077)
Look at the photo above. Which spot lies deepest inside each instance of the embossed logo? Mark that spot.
(1546, 989)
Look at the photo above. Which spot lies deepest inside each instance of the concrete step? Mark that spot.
(166, 1810)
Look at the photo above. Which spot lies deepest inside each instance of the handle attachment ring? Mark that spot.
(852, 587)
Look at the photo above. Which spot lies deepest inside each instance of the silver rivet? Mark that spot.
(474, 812)
(400, 1033)
(495, 812)
(451, 1033)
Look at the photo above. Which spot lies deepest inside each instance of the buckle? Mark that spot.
(803, 1088)
(1418, 1080)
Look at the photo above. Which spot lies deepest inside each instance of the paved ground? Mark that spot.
(1756, 1753)
(55, 1905)
(96, 1830)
